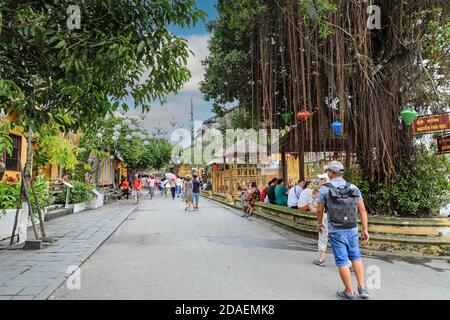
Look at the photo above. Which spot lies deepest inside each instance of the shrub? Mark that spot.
(9, 195)
(42, 189)
(81, 192)
(421, 189)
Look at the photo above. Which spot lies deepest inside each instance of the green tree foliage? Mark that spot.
(134, 153)
(122, 48)
(228, 66)
(53, 147)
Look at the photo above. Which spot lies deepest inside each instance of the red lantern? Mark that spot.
(303, 115)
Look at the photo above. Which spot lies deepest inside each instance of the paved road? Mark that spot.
(161, 252)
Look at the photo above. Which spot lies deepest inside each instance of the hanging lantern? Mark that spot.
(286, 116)
(337, 128)
(408, 115)
(303, 115)
(111, 157)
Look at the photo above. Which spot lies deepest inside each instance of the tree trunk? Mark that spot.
(16, 218)
(28, 175)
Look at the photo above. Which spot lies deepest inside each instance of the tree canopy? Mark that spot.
(122, 48)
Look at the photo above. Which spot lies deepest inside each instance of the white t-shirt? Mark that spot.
(293, 195)
(305, 198)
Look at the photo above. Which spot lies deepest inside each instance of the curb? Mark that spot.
(366, 252)
(46, 293)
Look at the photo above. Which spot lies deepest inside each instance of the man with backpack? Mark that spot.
(342, 201)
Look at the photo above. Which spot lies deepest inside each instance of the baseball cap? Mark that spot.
(336, 167)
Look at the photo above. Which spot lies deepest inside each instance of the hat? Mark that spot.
(336, 167)
(323, 176)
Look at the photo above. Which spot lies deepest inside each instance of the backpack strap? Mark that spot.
(329, 185)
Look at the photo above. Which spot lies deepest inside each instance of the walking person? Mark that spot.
(151, 186)
(173, 187)
(161, 187)
(196, 191)
(178, 190)
(188, 193)
(137, 189)
(343, 201)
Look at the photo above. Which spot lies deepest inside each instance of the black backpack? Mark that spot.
(342, 206)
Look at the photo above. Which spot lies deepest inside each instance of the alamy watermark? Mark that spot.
(248, 146)
(373, 281)
(74, 20)
(73, 282)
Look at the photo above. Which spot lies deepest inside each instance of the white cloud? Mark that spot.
(178, 107)
(198, 44)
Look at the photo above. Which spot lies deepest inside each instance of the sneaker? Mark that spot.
(320, 263)
(363, 293)
(343, 295)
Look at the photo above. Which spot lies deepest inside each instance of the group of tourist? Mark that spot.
(336, 204)
(187, 188)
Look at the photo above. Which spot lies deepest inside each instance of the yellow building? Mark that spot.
(18, 157)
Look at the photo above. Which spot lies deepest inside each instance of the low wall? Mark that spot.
(7, 223)
(417, 236)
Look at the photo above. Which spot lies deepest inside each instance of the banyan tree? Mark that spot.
(350, 62)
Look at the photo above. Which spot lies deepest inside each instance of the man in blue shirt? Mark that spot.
(344, 242)
(196, 191)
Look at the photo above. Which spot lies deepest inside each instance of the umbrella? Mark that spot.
(171, 176)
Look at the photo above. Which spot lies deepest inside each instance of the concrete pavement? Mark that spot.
(26, 275)
(162, 252)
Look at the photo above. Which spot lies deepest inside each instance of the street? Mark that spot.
(162, 252)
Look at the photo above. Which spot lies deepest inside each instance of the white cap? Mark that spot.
(324, 176)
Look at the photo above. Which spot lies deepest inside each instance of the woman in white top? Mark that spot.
(306, 198)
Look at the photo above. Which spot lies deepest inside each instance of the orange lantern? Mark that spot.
(303, 115)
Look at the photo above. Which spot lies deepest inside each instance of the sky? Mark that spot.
(178, 106)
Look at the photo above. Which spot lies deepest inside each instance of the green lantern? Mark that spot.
(286, 117)
(408, 115)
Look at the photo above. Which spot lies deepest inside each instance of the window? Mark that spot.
(12, 161)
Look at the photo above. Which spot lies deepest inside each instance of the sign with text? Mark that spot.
(443, 144)
(430, 124)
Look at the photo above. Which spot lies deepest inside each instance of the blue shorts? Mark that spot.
(196, 197)
(345, 245)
